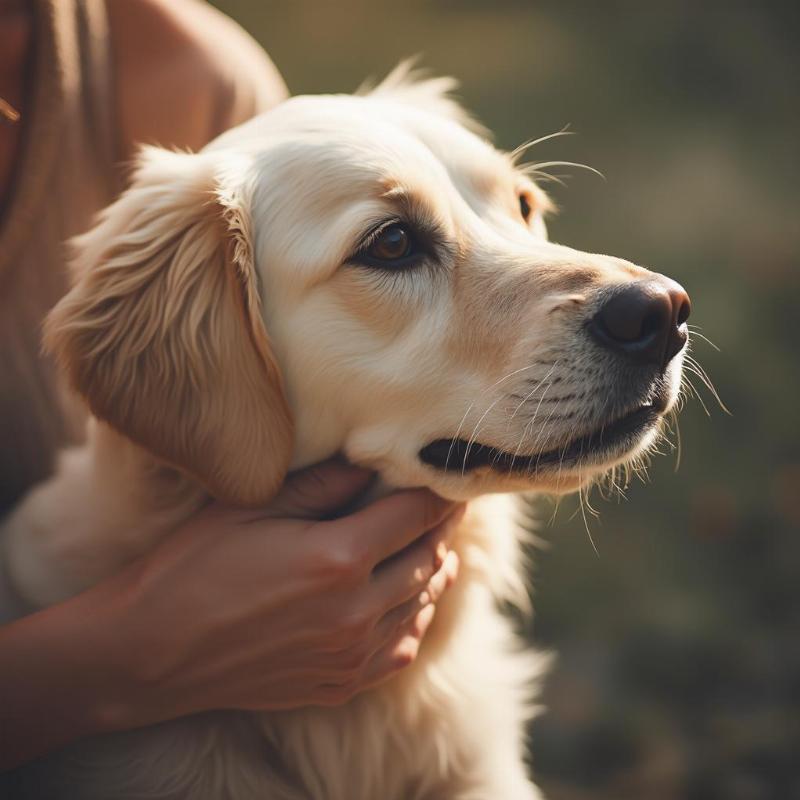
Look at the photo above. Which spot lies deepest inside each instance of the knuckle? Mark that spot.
(417, 627)
(436, 585)
(358, 560)
(406, 653)
(420, 575)
(355, 626)
(344, 562)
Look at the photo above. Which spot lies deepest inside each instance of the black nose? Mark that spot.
(644, 321)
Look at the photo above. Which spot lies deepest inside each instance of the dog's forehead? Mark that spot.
(380, 140)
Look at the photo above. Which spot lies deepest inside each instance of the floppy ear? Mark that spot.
(162, 332)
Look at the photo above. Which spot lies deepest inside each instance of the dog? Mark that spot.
(362, 274)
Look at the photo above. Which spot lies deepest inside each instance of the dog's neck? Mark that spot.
(145, 486)
(109, 502)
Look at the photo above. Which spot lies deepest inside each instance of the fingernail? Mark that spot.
(451, 565)
(424, 599)
(437, 584)
(424, 618)
(441, 554)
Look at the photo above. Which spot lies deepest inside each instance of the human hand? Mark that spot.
(278, 608)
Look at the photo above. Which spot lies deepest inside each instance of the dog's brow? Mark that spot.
(406, 200)
(394, 191)
(412, 205)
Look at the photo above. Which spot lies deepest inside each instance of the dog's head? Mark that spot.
(365, 274)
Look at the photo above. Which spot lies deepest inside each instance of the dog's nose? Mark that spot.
(645, 321)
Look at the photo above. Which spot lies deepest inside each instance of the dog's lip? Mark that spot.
(612, 438)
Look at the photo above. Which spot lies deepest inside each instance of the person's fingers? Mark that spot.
(401, 650)
(319, 491)
(398, 649)
(405, 574)
(388, 525)
(442, 580)
(398, 616)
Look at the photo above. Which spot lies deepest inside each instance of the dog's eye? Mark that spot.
(525, 207)
(391, 246)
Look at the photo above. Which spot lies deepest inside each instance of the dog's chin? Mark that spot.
(559, 469)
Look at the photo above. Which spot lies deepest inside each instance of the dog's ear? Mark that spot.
(162, 332)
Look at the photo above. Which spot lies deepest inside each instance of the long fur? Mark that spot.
(220, 334)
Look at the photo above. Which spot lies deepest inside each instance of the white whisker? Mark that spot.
(586, 522)
(544, 164)
(696, 333)
(515, 154)
(472, 404)
(694, 366)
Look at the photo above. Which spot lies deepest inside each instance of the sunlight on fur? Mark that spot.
(230, 320)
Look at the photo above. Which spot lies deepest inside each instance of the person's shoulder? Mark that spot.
(184, 72)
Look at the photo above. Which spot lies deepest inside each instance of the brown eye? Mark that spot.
(525, 207)
(393, 243)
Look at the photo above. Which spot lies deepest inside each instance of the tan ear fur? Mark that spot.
(162, 333)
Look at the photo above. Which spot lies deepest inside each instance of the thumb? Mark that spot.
(319, 491)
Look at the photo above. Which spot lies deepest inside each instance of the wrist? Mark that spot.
(63, 675)
(111, 689)
(47, 696)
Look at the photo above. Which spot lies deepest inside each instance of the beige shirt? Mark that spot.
(106, 74)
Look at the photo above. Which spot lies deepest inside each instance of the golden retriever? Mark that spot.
(363, 274)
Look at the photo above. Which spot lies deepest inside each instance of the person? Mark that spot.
(294, 605)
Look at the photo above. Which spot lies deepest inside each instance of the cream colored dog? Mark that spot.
(362, 274)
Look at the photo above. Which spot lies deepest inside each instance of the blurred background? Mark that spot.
(678, 672)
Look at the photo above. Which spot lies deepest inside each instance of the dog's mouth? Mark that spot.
(609, 441)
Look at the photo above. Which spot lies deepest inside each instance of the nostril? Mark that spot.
(640, 321)
(684, 311)
(635, 313)
(678, 336)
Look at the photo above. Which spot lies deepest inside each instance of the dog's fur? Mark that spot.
(221, 333)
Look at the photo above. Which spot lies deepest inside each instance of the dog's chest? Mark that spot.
(422, 735)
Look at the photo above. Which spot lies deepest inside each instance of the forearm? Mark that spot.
(55, 686)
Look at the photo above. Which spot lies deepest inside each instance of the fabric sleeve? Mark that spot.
(184, 73)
